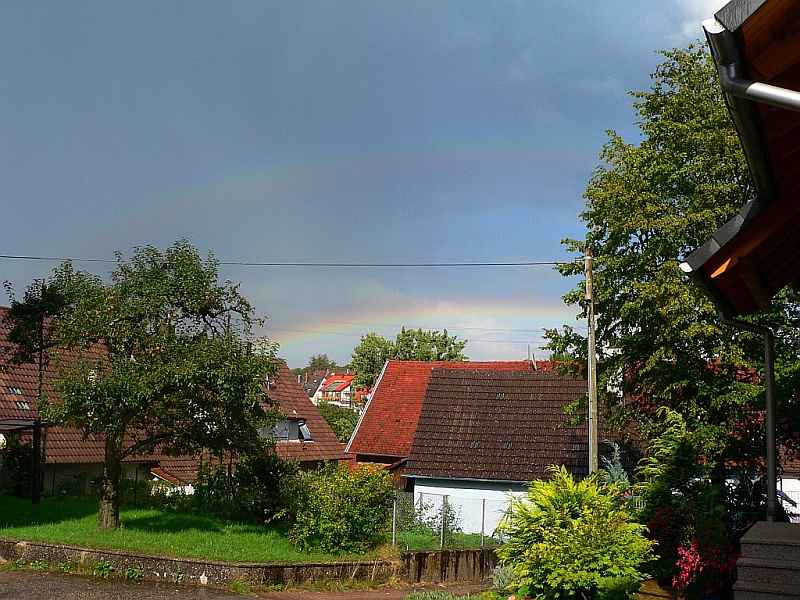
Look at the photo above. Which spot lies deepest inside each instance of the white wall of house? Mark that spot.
(478, 504)
(790, 485)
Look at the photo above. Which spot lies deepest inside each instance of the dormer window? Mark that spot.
(288, 430)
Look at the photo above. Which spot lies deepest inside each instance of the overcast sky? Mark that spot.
(327, 132)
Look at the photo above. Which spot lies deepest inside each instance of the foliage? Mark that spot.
(254, 490)
(373, 352)
(341, 509)
(684, 511)
(342, 420)
(160, 351)
(573, 539)
(318, 362)
(102, 569)
(660, 342)
(18, 468)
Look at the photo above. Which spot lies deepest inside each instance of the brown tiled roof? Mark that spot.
(498, 425)
(285, 389)
(387, 426)
(18, 394)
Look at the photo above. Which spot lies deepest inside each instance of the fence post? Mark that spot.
(483, 520)
(394, 518)
(444, 518)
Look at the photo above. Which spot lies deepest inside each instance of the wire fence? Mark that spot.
(425, 521)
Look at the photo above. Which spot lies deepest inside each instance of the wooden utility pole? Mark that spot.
(591, 366)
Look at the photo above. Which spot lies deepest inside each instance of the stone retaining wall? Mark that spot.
(413, 567)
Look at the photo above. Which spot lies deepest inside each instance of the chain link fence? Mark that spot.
(436, 521)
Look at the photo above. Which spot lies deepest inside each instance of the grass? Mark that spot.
(152, 531)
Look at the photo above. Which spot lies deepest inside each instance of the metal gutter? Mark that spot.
(739, 95)
(769, 376)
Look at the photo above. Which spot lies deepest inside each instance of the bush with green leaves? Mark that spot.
(341, 509)
(257, 489)
(684, 509)
(569, 539)
(19, 461)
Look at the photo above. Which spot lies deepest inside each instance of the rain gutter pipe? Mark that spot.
(769, 376)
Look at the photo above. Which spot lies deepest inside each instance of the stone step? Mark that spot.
(784, 572)
(772, 541)
(754, 590)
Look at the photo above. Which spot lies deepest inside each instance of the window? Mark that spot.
(288, 430)
(508, 445)
(12, 389)
(474, 444)
(22, 405)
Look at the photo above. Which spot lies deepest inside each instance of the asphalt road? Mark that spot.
(16, 584)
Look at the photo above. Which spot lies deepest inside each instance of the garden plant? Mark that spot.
(571, 539)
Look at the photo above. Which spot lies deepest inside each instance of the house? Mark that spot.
(335, 389)
(303, 434)
(72, 461)
(386, 428)
(483, 435)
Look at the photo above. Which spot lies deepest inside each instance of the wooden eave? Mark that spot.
(756, 254)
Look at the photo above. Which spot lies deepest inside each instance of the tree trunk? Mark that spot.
(108, 517)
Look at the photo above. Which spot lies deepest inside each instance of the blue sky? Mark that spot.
(327, 132)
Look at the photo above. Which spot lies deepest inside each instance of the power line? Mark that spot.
(315, 264)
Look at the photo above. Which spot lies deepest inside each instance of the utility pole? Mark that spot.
(591, 366)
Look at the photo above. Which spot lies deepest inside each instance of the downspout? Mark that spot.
(769, 376)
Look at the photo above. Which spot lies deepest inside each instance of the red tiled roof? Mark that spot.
(507, 426)
(390, 419)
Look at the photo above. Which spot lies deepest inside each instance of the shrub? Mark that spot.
(257, 490)
(19, 461)
(339, 509)
(685, 512)
(569, 539)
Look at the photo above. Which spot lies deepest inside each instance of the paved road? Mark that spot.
(33, 585)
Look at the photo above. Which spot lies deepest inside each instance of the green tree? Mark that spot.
(411, 344)
(342, 420)
(156, 360)
(318, 362)
(368, 360)
(571, 539)
(650, 204)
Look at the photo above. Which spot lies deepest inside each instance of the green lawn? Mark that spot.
(151, 531)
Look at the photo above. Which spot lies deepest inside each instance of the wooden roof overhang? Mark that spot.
(756, 46)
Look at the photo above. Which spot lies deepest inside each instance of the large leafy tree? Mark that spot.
(156, 359)
(650, 204)
(411, 344)
(318, 362)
